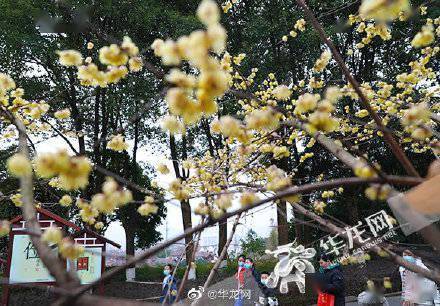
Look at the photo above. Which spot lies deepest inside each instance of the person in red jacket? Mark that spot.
(240, 271)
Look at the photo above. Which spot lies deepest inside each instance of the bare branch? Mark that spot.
(395, 147)
(222, 254)
(46, 254)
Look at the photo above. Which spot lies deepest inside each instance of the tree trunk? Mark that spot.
(283, 228)
(298, 228)
(129, 252)
(187, 223)
(222, 236)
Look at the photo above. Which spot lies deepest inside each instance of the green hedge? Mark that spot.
(149, 273)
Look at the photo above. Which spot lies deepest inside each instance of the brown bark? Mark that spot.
(129, 243)
(185, 207)
(283, 227)
(222, 236)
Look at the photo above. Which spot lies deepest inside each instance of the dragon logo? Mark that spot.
(292, 265)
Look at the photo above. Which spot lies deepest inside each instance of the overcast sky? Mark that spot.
(261, 219)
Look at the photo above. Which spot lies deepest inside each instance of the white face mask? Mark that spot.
(264, 281)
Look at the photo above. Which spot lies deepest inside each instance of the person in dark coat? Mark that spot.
(270, 297)
(330, 279)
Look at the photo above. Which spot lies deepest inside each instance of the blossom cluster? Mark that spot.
(118, 59)
(191, 96)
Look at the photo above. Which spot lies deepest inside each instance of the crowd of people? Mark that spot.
(328, 282)
(246, 275)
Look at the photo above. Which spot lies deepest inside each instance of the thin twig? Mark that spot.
(395, 147)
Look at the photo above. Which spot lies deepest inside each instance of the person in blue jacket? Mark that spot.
(169, 286)
(330, 279)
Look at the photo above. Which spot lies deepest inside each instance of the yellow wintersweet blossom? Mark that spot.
(333, 94)
(162, 168)
(364, 171)
(17, 199)
(88, 213)
(362, 113)
(424, 37)
(248, 198)
(5, 227)
(282, 92)
(52, 235)
(72, 172)
(180, 79)
(421, 133)
(19, 165)
(202, 209)
(99, 225)
(173, 125)
(129, 47)
(217, 36)
(66, 200)
(328, 194)
(378, 192)
(178, 189)
(115, 74)
(300, 25)
(135, 64)
(90, 45)
(70, 57)
(383, 10)
(90, 75)
(168, 50)
(266, 119)
(194, 97)
(181, 105)
(111, 198)
(148, 207)
(322, 61)
(224, 201)
(319, 207)
(230, 127)
(322, 121)
(208, 12)
(416, 114)
(38, 109)
(117, 143)
(62, 114)
(69, 249)
(306, 102)
(276, 179)
(6, 83)
(112, 55)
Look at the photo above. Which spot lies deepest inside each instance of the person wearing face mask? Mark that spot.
(169, 286)
(269, 294)
(416, 290)
(329, 282)
(240, 271)
(408, 279)
(250, 268)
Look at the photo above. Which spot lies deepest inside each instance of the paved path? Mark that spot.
(222, 293)
(392, 301)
